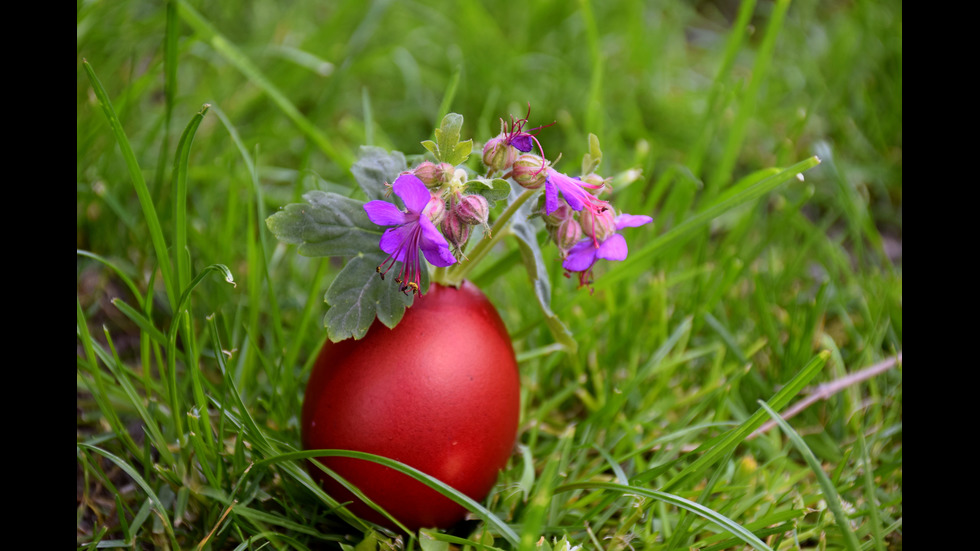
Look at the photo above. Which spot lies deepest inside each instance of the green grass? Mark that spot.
(752, 289)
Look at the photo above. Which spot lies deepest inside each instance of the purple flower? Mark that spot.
(583, 255)
(521, 140)
(573, 191)
(412, 231)
(497, 153)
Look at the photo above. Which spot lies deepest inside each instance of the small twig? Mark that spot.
(826, 390)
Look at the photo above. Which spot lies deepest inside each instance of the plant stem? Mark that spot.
(456, 274)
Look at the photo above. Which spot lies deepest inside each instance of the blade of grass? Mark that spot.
(447, 97)
(181, 319)
(251, 432)
(680, 536)
(122, 275)
(129, 470)
(150, 424)
(826, 486)
(360, 495)
(745, 190)
(99, 393)
(593, 114)
(734, 437)
(503, 529)
(740, 29)
(710, 515)
(747, 108)
(233, 55)
(145, 325)
(256, 253)
(181, 253)
(306, 317)
(535, 516)
(170, 42)
(139, 183)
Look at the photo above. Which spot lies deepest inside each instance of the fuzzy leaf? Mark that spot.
(447, 148)
(375, 167)
(432, 147)
(492, 190)
(525, 232)
(326, 225)
(358, 295)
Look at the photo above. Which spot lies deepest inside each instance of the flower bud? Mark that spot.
(600, 223)
(427, 172)
(473, 209)
(530, 171)
(557, 216)
(566, 234)
(455, 231)
(434, 175)
(498, 155)
(596, 182)
(435, 210)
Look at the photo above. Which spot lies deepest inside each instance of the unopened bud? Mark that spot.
(595, 182)
(498, 155)
(434, 175)
(530, 171)
(435, 210)
(557, 216)
(599, 223)
(567, 234)
(427, 172)
(455, 231)
(473, 209)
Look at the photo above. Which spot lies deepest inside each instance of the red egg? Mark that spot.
(439, 392)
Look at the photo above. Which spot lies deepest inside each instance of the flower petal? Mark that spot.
(581, 257)
(550, 197)
(412, 192)
(631, 220)
(522, 142)
(397, 241)
(434, 246)
(613, 248)
(570, 188)
(384, 213)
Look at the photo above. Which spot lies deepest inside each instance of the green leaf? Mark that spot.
(326, 225)
(591, 160)
(527, 239)
(358, 295)
(369, 543)
(447, 147)
(492, 190)
(375, 167)
(428, 541)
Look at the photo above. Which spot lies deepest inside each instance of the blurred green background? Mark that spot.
(630, 72)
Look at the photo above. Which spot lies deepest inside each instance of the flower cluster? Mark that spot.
(441, 208)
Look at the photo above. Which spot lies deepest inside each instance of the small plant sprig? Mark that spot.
(440, 207)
